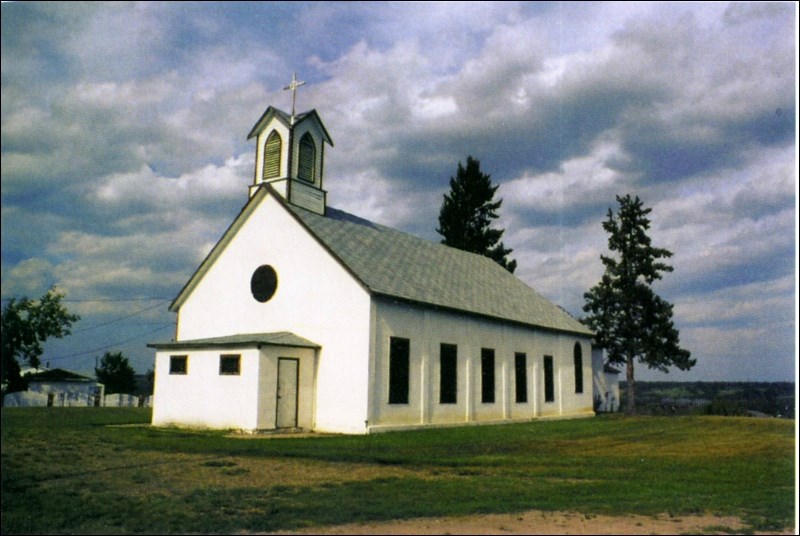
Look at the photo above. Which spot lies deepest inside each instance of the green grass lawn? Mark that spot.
(82, 470)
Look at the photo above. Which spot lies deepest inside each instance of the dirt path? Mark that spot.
(536, 522)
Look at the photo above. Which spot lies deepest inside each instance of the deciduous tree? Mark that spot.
(26, 324)
(116, 373)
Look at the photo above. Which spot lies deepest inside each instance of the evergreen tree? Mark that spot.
(630, 321)
(116, 373)
(467, 213)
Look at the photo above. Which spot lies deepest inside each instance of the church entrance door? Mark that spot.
(288, 371)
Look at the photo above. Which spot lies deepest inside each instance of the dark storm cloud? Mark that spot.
(124, 155)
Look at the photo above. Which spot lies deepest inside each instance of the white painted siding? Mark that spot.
(427, 329)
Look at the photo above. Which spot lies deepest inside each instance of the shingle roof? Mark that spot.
(58, 375)
(281, 338)
(286, 119)
(395, 264)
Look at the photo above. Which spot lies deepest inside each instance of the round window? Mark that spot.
(264, 283)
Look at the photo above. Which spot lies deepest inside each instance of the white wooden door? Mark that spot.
(288, 370)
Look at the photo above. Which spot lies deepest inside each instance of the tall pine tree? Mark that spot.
(467, 213)
(630, 321)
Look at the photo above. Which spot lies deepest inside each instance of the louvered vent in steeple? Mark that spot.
(308, 158)
(290, 153)
(272, 156)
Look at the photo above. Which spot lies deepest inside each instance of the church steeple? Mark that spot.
(290, 154)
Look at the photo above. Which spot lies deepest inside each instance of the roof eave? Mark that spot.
(252, 340)
(325, 134)
(189, 345)
(219, 247)
(265, 118)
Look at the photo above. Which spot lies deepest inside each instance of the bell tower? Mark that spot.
(290, 154)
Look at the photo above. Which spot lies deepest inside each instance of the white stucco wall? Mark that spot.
(427, 329)
(203, 397)
(268, 385)
(316, 298)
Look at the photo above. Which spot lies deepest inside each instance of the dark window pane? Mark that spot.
(521, 377)
(177, 364)
(264, 283)
(549, 391)
(398, 370)
(578, 361)
(487, 375)
(229, 364)
(448, 374)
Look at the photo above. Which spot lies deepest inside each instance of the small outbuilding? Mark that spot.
(66, 388)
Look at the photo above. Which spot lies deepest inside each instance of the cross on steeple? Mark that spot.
(293, 87)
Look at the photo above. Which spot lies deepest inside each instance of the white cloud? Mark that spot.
(579, 182)
(124, 131)
(30, 277)
(144, 187)
(745, 304)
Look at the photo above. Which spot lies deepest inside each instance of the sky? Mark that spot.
(125, 158)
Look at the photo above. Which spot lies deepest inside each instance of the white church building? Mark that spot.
(303, 316)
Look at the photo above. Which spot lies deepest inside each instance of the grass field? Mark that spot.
(94, 470)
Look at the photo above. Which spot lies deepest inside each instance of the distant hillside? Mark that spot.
(773, 399)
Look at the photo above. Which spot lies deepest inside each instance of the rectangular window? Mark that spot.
(177, 364)
(521, 376)
(448, 373)
(578, 363)
(229, 364)
(487, 375)
(549, 391)
(398, 370)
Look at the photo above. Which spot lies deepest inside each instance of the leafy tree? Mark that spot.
(26, 324)
(150, 377)
(467, 213)
(630, 321)
(116, 373)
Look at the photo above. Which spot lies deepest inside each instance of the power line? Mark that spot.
(117, 319)
(98, 300)
(106, 347)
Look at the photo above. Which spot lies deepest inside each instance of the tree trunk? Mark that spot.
(630, 402)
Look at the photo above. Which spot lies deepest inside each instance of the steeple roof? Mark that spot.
(274, 113)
